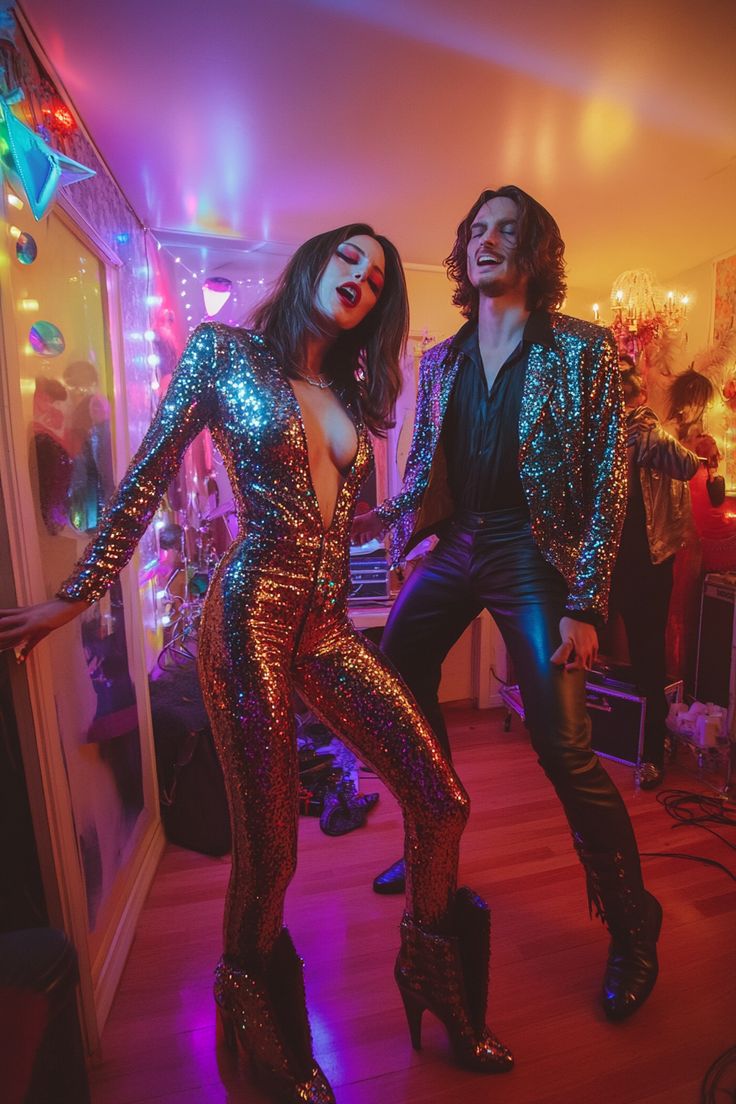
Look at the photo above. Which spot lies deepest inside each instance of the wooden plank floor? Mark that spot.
(159, 1044)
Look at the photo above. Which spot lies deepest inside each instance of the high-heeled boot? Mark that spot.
(448, 974)
(263, 1014)
(634, 919)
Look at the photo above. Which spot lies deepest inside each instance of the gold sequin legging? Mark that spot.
(265, 632)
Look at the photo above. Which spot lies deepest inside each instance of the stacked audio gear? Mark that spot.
(369, 574)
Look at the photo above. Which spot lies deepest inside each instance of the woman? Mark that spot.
(289, 405)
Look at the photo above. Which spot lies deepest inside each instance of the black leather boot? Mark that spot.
(263, 1015)
(392, 880)
(448, 974)
(634, 919)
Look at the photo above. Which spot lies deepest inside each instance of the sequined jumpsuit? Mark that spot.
(275, 617)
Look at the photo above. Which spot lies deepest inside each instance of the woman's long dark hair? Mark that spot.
(363, 361)
(540, 254)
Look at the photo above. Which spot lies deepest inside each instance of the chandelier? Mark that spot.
(641, 310)
(635, 298)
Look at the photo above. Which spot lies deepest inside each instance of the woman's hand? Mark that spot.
(366, 527)
(24, 627)
(579, 647)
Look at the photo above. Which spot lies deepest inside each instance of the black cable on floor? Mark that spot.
(712, 1089)
(700, 810)
(691, 858)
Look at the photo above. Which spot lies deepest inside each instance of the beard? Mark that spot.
(493, 286)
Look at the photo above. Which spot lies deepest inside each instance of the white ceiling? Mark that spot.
(271, 121)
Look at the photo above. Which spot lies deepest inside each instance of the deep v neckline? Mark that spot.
(344, 477)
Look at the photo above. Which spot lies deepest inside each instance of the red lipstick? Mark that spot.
(350, 294)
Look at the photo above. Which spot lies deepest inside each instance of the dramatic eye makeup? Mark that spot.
(349, 253)
(353, 254)
(375, 283)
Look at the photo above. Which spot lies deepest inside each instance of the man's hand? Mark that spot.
(579, 647)
(367, 527)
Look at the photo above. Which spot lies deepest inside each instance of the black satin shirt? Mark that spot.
(480, 432)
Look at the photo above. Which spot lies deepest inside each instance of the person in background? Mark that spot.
(657, 523)
(518, 462)
(290, 404)
(690, 393)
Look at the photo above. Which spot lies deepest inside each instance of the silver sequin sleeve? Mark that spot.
(181, 415)
(604, 480)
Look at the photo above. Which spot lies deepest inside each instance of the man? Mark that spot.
(518, 462)
(658, 519)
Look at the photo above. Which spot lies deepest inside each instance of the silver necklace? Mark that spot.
(323, 384)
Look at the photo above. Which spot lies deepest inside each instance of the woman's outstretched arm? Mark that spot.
(182, 413)
(25, 627)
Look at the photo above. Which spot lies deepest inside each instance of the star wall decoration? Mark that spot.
(33, 166)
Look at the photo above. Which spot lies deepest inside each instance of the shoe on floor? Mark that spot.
(650, 776)
(392, 880)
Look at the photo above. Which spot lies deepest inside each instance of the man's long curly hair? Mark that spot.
(540, 254)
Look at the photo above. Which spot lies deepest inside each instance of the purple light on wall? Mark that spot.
(216, 291)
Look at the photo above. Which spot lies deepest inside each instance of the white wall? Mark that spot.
(430, 303)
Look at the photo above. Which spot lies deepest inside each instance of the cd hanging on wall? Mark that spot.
(46, 339)
(26, 249)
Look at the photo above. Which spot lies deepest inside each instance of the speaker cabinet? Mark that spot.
(715, 669)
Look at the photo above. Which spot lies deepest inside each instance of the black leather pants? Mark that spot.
(492, 561)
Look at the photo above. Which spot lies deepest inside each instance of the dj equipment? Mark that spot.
(715, 667)
(369, 574)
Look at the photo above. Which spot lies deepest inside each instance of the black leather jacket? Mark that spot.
(664, 466)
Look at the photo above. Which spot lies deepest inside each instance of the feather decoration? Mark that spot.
(665, 355)
(713, 361)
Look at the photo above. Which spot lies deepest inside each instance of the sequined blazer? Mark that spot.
(572, 456)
